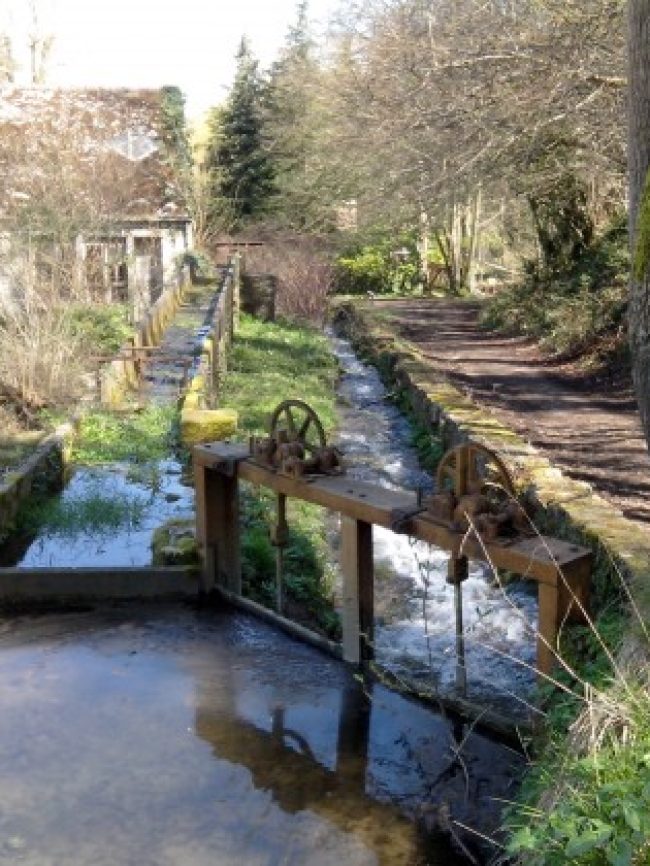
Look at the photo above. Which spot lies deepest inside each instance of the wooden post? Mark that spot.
(236, 300)
(563, 601)
(217, 528)
(547, 626)
(457, 573)
(358, 590)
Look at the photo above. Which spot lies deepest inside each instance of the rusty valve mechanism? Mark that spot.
(296, 444)
(476, 490)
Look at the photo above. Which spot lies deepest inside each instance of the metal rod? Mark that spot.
(461, 671)
(280, 542)
(279, 571)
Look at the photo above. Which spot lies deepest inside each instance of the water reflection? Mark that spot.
(132, 736)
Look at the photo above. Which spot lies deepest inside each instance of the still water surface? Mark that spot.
(171, 737)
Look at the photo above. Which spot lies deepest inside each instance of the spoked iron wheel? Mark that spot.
(464, 466)
(300, 424)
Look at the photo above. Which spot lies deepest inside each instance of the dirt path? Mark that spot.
(594, 434)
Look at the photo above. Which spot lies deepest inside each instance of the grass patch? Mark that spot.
(586, 800)
(137, 437)
(271, 363)
(578, 311)
(105, 327)
(95, 513)
(275, 362)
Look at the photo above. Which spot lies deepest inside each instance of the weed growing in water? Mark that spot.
(95, 513)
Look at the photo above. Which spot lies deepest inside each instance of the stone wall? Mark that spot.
(200, 420)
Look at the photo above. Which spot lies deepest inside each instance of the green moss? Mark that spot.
(16, 447)
(642, 237)
(174, 543)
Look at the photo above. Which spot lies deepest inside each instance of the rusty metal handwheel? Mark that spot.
(300, 423)
(465, 464)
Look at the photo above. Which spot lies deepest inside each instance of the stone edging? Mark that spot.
(42, 470)
(561, 505)
(122, 372)
(198, 422)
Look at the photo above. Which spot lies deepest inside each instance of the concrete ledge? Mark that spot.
(21, 585)
(286, 625)
(42, 470)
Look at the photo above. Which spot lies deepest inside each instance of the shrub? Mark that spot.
(105, 327)
(375, 268)
(570, 311)
(304, 273)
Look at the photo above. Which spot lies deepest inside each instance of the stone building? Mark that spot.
(91, 202)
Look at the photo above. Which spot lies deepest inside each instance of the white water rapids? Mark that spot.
(414, 631)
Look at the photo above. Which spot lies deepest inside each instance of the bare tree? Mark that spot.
(437, 100)
(639, 163)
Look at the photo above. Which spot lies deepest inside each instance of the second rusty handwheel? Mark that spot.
(301, 424)
(463, 466)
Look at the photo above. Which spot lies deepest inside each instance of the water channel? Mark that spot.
(414, 632)
(414, 635)
(237, 744)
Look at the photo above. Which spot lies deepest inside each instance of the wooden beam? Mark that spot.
(357, 616)
(217, 522)
(561, 569)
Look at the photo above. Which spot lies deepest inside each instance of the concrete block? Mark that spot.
(207, 425)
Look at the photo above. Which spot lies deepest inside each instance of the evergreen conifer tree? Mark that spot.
(239, 162)
(296, 131)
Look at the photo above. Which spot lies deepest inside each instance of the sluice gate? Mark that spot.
(288, 464)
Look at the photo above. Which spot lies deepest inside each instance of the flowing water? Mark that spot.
(415, 629)
(149, 736)
(415, 613)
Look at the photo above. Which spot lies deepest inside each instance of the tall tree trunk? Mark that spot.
(471, 244)
(639, 162)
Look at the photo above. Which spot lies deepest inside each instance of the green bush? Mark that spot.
(570, 311)
(374, 268)
(601, 812)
